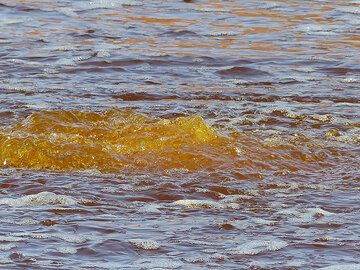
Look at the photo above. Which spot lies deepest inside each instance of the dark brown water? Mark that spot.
(179, 134)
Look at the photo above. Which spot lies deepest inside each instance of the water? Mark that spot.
(179, 135)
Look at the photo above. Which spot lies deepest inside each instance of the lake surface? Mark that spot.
(179, 134)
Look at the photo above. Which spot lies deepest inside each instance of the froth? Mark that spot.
(42, 198)
(258, 246)
(205, 204)
(145, 244)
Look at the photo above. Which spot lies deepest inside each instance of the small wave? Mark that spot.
(67, 250)
(42, 198)
(237, 72)
(159, 263)
(258, 246)
(206, 204)
(115, 140)
(108, 4)
(23, 236)
(6, 247)
(145, 244)
(349, 266)
(179, 33)
(65, 140)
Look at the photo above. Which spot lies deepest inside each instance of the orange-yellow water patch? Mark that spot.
(113, 140)
(108, 141)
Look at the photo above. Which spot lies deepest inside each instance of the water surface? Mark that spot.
(179, 135)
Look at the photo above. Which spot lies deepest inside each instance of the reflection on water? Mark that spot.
(179, 135)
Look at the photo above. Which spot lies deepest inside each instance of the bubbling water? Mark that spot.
(109, 140)
(112, 140)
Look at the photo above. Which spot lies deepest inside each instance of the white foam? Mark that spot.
(42, 198)
(320, 29)
(23, 221)
(351, 266)
(66, 237)
(68, 12)
(145, 244)
(6, 247)
(206, 204)
(67, 250)
(272, 6)
(213, 10)
(350, 80)
(305, 215)
(150, 208)
(12, 238)
(108, 4)
(258, 246)
(65, 62)
(218, 257)
(236, 198)
(197, 259)
(10, 20)
(71, 238)
(65, 48)
(159, 263)
(352, 10)
(221, 34)
(304, 69)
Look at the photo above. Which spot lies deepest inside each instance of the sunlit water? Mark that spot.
(179, 134)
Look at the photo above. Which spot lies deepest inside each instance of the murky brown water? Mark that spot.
(179, 134)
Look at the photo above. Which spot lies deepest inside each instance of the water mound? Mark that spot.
(108, 141)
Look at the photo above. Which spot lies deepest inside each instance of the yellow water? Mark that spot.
(108, 141)
(113, 140)
(179, 134)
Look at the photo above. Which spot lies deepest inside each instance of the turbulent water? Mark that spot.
(179, 134)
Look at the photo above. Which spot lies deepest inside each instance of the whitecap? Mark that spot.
(76, 239)
(12, 238)
(221, 34)
(108, 4)
(68, 12)
(145, 244)
(258, 246)
(71, 238)
(306, 215)
(23, 221)
(351, 266)
(350, 80)
(158, 263)
(6, 247)
(42, 198)
(205, 204)
(67, 250)
(352, 10)
(150, 208)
